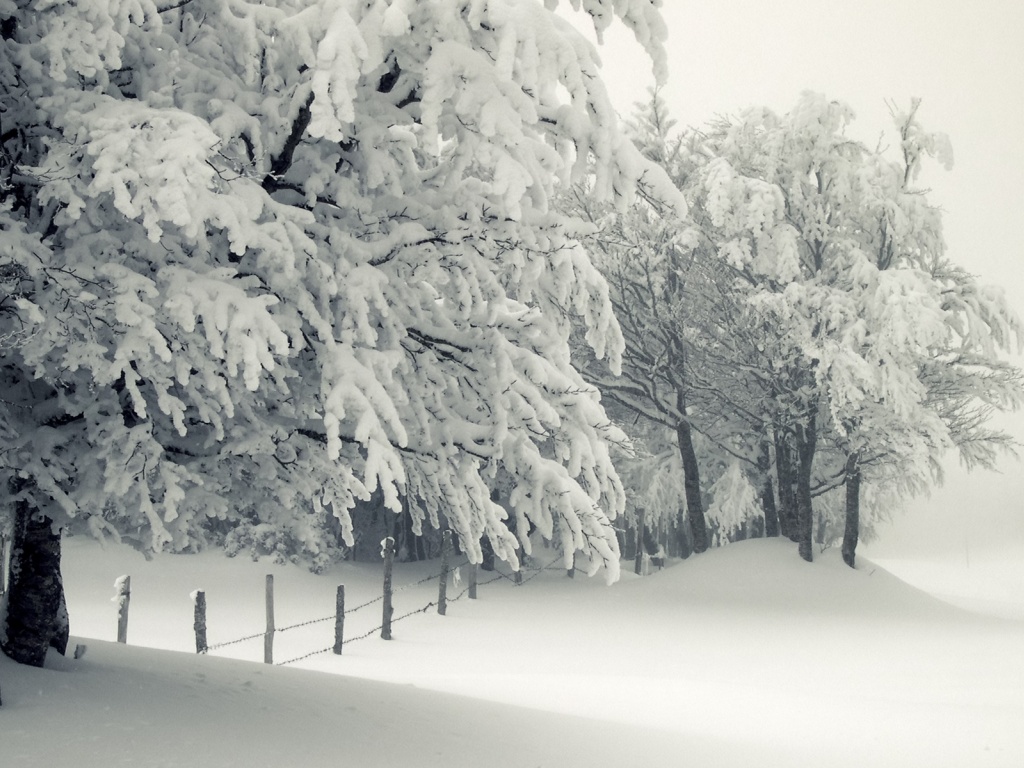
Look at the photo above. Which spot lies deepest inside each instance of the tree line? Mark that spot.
(800, 348)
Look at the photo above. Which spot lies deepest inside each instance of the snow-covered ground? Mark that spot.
(744, 656)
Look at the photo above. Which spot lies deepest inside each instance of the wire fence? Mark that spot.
(441, 577)
(226, 643)
(422, 609)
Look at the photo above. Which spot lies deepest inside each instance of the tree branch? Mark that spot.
(279, 167)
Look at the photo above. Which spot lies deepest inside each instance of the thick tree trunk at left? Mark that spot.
(851, 533)
(37, 617)
(806, 444)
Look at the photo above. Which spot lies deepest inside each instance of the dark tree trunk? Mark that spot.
(787, 486)
(691, 486)
(487, 563)
(37, 616)
(806, 443)
(682, 536)
(409, 542)
(638, 556)
(852, 532)
(486, 550)
(771, 513)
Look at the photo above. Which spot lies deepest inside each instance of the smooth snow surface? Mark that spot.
(744, 656)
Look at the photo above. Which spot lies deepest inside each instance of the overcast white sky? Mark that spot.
(966, 61)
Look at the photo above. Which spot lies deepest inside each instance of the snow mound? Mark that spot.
(767, 575)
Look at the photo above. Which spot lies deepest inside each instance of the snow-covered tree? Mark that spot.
(734, 503)
(850, 279)
(804, 316)
(692, 356)
(262, 260)
(655, 284)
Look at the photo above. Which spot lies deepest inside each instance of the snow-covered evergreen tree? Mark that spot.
(264, 259)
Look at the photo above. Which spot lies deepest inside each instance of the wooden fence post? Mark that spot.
(638, 563)
(339, 619)
(442, 588)
(123, 585)
(268, 638)
(388, 553)
(199, 622)
(472, 581)
(517, 575)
